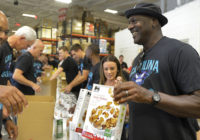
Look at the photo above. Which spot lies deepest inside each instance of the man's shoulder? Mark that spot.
(25, 57)
(69, 60)
(174, 42)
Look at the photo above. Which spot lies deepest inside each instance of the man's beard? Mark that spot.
(2, 41)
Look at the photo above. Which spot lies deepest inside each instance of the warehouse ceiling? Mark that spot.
(48, 11)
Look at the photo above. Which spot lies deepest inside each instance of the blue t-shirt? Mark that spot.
(94, 76)
(6, 56)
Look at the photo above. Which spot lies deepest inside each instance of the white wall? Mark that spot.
(183, 24)
(124, 45)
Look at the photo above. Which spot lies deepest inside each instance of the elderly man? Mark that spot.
(10, 97)
(24, 70)
(164, 91)
(22, 39)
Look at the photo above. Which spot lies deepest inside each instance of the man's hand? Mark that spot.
(68, 89)
(36, 87)
(130, 91)
(11, 129)
(12, 99)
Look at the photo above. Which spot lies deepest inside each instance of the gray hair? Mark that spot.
(26, 31)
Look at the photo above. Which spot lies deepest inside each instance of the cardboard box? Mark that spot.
(105, 118)
(48, 88)
(36, 121)
(81, 110)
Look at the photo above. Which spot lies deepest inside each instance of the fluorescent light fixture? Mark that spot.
(111, 11)
(29, 15)
(64, 1)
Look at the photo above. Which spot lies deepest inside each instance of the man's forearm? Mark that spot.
(180, 106)
(78, 80)
(22, 80)
(55, 75)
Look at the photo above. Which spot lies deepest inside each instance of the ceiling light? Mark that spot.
(29, 15)
(111, 11)
(64, 1)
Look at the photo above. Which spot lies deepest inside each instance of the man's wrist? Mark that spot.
(6, 119)
(155, 98)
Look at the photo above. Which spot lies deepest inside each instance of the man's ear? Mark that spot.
(156, 23)
(22, 37)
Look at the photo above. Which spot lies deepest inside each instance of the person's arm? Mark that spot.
(80, 78)
(180, 106)
(18, 76)
(12, 98)
(55, 75)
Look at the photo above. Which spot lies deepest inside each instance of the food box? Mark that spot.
(81, 110)
(64, 104)
(105, 118)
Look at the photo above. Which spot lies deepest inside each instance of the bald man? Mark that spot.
(24, 70)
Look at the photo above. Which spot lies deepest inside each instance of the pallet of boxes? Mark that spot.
(104, 118)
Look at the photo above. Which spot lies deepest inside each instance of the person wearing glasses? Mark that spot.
(10, 97)
(164, 88)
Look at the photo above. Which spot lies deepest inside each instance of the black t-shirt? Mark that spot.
(25, 63)
(124, 65)
(94, 76)
(84, 64)
(38, 68)
(71, 70)
(171, 67)
(6, 56)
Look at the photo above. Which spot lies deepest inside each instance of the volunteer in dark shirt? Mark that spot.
(122, 63)
(38, 68)
(22, 39)
(164, 88)
(24, 70)
(84, 66)
(92, 52)
(69, 66)
(10, 97)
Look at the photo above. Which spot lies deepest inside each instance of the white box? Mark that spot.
(81, 110)
(105, 118)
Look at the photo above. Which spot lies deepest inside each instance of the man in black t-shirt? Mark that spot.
(92, 52)
(84, 66)
(164, 88)
(122, 63)
(69, 66)
(22, 39)
(24, 70)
